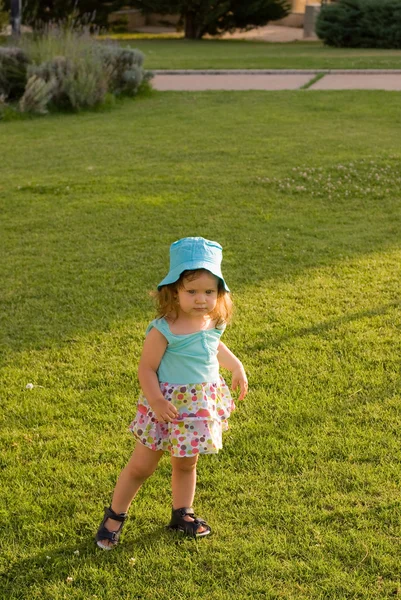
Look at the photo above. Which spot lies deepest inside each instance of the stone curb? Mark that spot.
(277, 71)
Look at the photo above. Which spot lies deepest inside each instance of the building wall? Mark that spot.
(297, 15)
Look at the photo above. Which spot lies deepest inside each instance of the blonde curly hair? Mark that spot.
(167, 305)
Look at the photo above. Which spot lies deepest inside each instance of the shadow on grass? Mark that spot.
(321, 328)
(93, 263)
(65, 563)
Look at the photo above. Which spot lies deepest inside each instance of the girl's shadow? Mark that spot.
(57, 566)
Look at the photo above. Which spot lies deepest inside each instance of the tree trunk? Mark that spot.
(193, 30)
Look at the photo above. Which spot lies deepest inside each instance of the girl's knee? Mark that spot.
(138, 471)
(184, 463)
(142, 463)
(141, 467)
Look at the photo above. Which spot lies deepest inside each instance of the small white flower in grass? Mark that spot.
(76, 552)
(69, 580)
(29, 386)
(132, 561)
(48, 557)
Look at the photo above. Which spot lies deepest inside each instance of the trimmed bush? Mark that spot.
(361, 24)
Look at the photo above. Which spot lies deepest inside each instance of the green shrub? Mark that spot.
(381, 24)
(361, 24)
(13, 72)
(67, 69)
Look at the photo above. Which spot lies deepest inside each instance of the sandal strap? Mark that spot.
(184, 512)
(190, 527)
(110, 514)
(105, 534)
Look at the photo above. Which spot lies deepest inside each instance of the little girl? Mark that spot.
(185, 402)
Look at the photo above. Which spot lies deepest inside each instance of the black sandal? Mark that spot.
(190, 528)
(105, 534)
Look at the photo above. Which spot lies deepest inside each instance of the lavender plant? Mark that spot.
(124, 68)
(66, 68)
(81, 83)
(37, 95)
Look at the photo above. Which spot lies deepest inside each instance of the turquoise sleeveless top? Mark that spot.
(189, 358)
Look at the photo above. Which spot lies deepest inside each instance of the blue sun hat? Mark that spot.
(194, 253)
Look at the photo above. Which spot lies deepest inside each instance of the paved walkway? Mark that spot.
(277, 80)
(272, 79)
(359, 81)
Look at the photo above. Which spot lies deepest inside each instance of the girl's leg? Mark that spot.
(142, 464)
(184, 483)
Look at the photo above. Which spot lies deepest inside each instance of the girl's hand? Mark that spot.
(239, 379)
(164, 411)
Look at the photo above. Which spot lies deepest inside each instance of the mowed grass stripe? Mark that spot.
(244, 54)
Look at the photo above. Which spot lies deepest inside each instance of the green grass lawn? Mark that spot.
(240, 54)
(303, 191)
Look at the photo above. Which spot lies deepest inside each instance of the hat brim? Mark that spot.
(191, 265)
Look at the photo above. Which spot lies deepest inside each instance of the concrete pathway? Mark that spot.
(359, 81)
(254, 79)
(229, 82)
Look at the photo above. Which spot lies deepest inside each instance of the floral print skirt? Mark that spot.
(203, 410)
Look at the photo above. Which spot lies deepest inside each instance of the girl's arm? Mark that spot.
(153, 349)
(229, 361)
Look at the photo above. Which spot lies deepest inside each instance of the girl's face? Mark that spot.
(198, 297)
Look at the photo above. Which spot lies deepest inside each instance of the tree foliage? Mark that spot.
(214, 17)
(199, 17)
(4, 16)
(45, 11)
